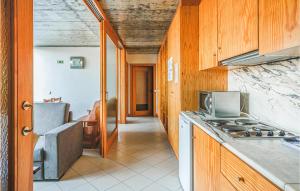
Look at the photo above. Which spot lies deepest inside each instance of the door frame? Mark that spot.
(106, 142)
(154, 87)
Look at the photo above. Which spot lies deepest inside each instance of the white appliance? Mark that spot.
(185, 153)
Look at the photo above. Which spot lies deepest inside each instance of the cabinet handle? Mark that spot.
(241, 179)
(219, 48)
(214, 54)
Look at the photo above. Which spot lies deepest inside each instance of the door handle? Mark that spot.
(26, 131)
(26, 105)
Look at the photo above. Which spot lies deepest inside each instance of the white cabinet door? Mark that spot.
(185, 154)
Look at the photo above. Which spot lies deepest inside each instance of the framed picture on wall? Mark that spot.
(77, 62)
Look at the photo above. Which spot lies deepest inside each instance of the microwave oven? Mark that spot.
(220, 104)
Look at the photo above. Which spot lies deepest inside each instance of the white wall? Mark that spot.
(79, 87)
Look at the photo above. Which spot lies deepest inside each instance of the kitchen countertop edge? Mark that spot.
(272, 178)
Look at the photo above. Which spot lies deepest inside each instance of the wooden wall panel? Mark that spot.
(174, 43)
(158, 82)
(189, 68)
(162, 84)
(123, 80)
(183, 46)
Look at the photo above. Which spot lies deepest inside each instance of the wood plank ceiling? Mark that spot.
(64, 23)
(141, 24)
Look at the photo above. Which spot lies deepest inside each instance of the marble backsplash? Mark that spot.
(270, 92)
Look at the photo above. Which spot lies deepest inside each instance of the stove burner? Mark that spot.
(245, 122)
(246, 128)
(217, 123)
(233, 128)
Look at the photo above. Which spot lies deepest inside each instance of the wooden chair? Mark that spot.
(91, 127)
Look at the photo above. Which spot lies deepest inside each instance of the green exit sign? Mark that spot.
(60, 62)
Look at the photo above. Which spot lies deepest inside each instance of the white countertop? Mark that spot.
(274, 160)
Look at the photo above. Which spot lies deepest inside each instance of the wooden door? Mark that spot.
(237, 27)
(208, 34)
(279, 25)
(22, 82)
(207, 153)
(142, 90)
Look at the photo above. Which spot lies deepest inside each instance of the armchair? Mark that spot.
(60, 141)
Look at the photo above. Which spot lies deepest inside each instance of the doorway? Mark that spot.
(142, 83)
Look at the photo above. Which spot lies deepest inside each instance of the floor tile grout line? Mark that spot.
(160, 145)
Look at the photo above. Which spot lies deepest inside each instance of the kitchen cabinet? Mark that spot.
(225, 185)
(279, 25)
(208, 34)
(241, 175)
(237, 27)
(206, 161)
(217, 169)
(228, 29)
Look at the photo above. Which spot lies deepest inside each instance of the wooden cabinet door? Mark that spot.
(237, 27)
(242, 176)
(279, 25)
(208, 33)
(206, 161)
(225, 185)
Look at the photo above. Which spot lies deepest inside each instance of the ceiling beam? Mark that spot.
(105, 19)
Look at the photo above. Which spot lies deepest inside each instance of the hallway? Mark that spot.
(142, 159)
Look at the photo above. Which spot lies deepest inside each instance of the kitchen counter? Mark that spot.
(274, 160)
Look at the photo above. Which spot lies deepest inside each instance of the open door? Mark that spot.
(17, 48)
(109, 87)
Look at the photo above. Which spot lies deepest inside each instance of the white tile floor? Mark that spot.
(142, 159)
